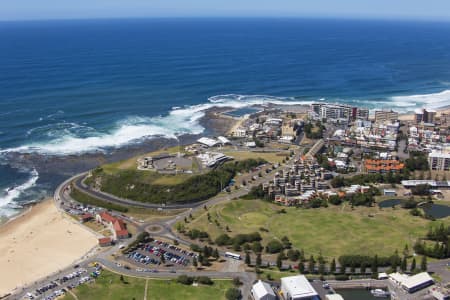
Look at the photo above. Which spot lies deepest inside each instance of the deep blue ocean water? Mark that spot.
(70, 87)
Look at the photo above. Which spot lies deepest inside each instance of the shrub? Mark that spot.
(274, 246)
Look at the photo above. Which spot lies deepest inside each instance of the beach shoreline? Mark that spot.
(38, 243)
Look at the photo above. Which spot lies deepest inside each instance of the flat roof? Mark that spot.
(298, 286)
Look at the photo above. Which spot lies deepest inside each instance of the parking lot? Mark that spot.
(152, 253)
(60, 286)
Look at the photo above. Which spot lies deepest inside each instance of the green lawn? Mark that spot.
(109, 287)
(332, 231)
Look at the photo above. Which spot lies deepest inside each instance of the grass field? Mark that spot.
(109, 287)
(332, 231)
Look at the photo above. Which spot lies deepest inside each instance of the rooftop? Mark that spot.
(298, 286)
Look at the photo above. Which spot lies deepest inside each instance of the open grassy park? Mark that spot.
(109, 287)
(332, 231)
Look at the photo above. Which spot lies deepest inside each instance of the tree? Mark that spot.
(194, 262)
(184, 279)
(374, 266)
(423, 264)
(258, 260)
(257, 247)
(233, 294)
(301, 267)
(163, 259)
(333, 266)
(403, 264)
(274, 246)
(322, 267)
(362, 269)
(280, 261)
(413, 265)
(311, 264)
(216, 254)
(247, 258)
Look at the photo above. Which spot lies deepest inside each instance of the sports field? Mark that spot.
(332, 231)
(109, 287)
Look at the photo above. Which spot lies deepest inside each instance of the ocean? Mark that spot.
(68, 88)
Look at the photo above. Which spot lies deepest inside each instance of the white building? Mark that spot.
(413, 283)
(208, 141)
(297, 288)
(223, 140)
(263, 291)
(439, 161)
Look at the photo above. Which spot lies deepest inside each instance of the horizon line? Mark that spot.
(336, 18)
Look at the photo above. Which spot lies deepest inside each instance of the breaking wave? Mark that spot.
(66, 138)
(71, 138)
(434, 100)
(13, 193)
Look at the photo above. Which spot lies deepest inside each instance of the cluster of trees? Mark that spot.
(421, 190)
(358, 199)
(441, 245)
(195, 188)
(417, 161)
(438, 250)
(238, 240)
(257, 192)
(314, 131)
(203, 255)
(194, 234)
(362, 179)
(143, 237)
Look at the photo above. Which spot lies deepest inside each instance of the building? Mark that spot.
(339, 112)
(389, 192)
(432, 183)
(240, 132)
(334, 297)
(263, 291)
(425, 115)
(297, 288)
(383, 165)
(104, 242)
(439, 161)
(116, 225)
(413, 283)
(208, 142)
(86, 217)
(386, 116)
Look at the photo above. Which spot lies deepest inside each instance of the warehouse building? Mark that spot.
(297, 288)
(413, 283)
(263, 291)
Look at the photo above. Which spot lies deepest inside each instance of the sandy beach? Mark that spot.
(39, 243)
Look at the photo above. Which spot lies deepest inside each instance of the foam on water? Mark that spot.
(71, 138)
(13, 193)
(136, 128)
(434, 100)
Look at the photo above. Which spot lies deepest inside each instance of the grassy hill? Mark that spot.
(332, 231)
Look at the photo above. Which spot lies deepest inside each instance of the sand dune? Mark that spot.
(38, 243)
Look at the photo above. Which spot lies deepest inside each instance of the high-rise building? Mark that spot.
(439, 161)
(386, 115)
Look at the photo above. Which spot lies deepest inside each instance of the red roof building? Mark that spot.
(118, 226)
(104, 242)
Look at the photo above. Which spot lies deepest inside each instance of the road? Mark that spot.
(103, 256)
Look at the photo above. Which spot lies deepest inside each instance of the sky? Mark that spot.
(88, 9)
